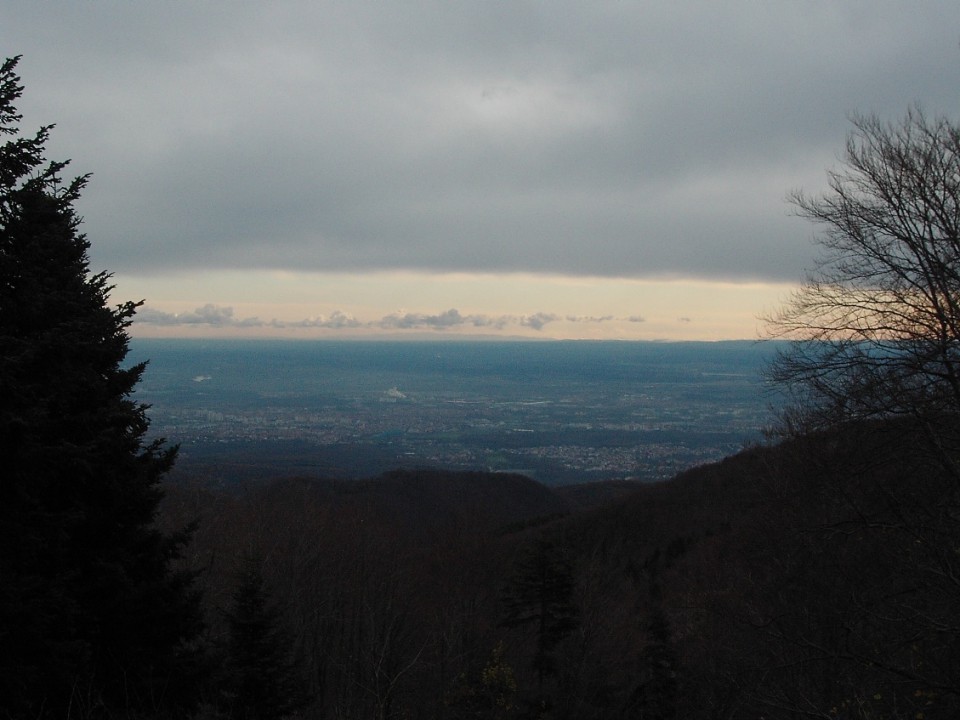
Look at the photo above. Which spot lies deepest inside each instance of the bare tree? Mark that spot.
(875, 333)
(876, 325)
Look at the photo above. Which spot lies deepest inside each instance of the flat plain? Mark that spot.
(560, 412)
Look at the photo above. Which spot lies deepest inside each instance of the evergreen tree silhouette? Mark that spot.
(92, 617)
(262, 681)
(655, 697)
(540, 596)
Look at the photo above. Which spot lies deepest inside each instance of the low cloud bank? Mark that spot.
(215, 316)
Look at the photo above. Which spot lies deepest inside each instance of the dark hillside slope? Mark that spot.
(816, 576)
(390, 586)
(416, 501)
(427, 497)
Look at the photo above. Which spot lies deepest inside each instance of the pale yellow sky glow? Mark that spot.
(409, 304)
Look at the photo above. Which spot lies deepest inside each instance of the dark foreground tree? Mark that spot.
(92, 617)
(540, 596)
(655, 697)
(262, 681)
(875, 365)
(876, 325)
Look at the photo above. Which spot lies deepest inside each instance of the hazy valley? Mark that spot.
(566, 412)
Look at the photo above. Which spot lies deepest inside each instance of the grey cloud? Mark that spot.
(450, 318)
(217, 316)
(209, 314)
(150, 316)
(627, 139)
(538, 320)
(588, 319)
(337, 321)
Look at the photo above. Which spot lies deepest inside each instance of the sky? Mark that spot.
(562, 169)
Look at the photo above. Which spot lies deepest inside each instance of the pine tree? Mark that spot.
(92, 617)
(262, 681)
(540, 596)
(655, 697)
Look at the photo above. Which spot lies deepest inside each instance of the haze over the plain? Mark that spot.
(564, 169)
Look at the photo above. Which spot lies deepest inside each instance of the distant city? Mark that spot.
(559, 412)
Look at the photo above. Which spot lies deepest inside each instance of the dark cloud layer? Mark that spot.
(603, 138)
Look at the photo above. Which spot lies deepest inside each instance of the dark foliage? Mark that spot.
(92, 616)
(261, 680)
(876, 331)
(655, 697)
(784, 582)
(539, 597)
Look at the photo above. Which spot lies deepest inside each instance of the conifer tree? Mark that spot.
(262, 680)
(655, 697)
(540, 596)
(92, 616)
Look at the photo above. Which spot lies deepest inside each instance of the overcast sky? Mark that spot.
(576, 169)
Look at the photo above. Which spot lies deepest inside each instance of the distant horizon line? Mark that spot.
(438, 338)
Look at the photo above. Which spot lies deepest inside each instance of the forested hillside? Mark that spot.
(806, 578)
